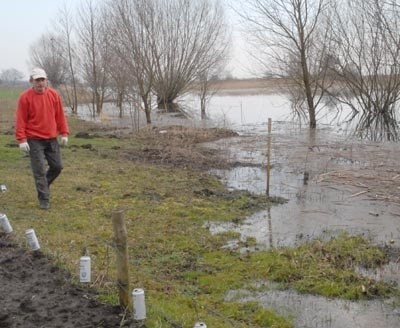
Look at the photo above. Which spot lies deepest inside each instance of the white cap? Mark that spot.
(38, 73)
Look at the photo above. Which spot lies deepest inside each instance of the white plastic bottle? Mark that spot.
(5, 224)
(139, 306)
(32, 239)
(85, 269)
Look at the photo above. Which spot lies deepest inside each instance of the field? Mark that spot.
(157, 178)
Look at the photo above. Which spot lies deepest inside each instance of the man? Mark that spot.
(40, 119)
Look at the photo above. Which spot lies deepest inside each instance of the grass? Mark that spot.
(9, 94)
(8, 103)
(183, 268)
(165, 211)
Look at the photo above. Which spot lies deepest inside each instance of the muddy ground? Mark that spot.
(35, 293)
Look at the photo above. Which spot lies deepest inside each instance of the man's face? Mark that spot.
(39, 85)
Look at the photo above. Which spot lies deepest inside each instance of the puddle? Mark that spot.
(311, 311)
(388, 272)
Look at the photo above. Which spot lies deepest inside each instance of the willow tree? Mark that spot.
(191, 39)
(133, 27)
(291, 39)
(168, 44)
(367, 65)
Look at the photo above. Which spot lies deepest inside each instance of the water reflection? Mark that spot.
(271, 243)
(313, 208)
(311, 311)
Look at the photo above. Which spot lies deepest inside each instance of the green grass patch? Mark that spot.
(8, 105)
(9, 94)
(327, 268)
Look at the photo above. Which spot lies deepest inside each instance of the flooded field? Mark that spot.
(332, 183)
(311, 311)
(331, 186)
(325, 197)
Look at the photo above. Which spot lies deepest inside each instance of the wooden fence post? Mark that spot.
(269, 155)
(120, 238)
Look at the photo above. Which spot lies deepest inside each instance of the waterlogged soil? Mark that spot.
(180, 147)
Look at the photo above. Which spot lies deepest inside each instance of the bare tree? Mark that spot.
(64, 26)
(95, 48)
(133, 26)
(167, 44)
(291, 40)
(367, 65)
(191, 39)
(120, 82)
(205, 91)
(48, 53)
(10, 76)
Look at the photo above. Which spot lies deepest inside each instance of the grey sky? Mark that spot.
(22, 22)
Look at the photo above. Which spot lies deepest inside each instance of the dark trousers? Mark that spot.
(42, 151)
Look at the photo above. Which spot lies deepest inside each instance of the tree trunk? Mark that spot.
(120, 98)
(308, 91)
(147, 107)
(167, 105)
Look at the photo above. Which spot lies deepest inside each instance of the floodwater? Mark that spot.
(309, 311)
(327, 179)
(298, 164)
(313, 208)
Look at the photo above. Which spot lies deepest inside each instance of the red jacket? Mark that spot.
(40, 115)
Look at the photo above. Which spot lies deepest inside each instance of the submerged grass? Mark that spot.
(327, 268)
(183, 268)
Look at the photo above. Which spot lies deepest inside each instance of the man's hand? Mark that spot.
(64, 141)
(24, 146)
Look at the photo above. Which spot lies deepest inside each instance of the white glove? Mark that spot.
(64, 141)
(24, 146)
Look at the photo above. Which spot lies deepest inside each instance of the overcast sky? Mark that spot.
(23, 22)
